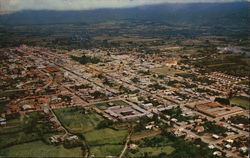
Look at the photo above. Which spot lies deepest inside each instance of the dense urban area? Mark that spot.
(124, 89)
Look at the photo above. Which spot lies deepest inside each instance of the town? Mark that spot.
(98, 103)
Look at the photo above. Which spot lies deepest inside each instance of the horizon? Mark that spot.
(79, 5)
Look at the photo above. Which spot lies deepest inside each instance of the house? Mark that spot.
(72, 138)
(3, 122)
(174, 120)
(243, 149)
(215, 136)
(229, 141)
(199, 129)
(211, 146)
(147, 106)
(26, 107)
(2, 119)
(149, 127)
(133, 146)
(217, 153)
(55, 139)
(228, 146)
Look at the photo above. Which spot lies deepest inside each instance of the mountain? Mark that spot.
(236, 13)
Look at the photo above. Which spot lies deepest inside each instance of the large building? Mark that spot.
(126, 112)
(215, 109)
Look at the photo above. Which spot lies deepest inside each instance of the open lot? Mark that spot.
(108, 150)
(165, 70)
(153, 146)
(76, 120)
(240, 101)
(145, 134)
(153, 151)
(38, 148)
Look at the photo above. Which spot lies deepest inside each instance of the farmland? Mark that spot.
(40, 148)
(105, 141)
(240, 101)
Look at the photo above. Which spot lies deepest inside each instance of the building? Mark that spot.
(126, 112)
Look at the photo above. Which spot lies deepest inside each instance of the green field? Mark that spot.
(169, 146)
(106, 142)
(25, 128)
(3, 106)
(153, 146)
(13, 133)
(106, 136)
(77, 121)
(240, 101)
(102, 142)
(14, 125)
(152, 151)
(39, 149)
(106, 150)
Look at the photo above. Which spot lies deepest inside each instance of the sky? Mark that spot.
(18, 5)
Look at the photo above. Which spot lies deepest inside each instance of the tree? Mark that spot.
(104, 124)
(223, 101)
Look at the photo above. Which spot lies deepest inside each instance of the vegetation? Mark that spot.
(107, 150)
(211, 127)
(176, 113)
(135, 80)
(39, 148)
(156, 86)
(85, 59)
(152, 147)
(142, 72)
(239, 119)
(223, 101)
(205, 90)
(32, 127)
(104, 124)
(165, 70)
(76, 120)
(102, 136)
(164, 146)
(172, 83)
(240, 101)
(83, 86)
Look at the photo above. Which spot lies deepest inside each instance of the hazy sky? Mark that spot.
(16, 5)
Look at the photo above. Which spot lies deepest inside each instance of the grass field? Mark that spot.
(20, 130)
(39, 149)
(3, 106)
(153, 146)
(240, 101)
(106, 142)
(144, 134)
(165, 70)
(13, 133)
(106, 136)
(102, 142)
(106, 150)
(222, 64)
(152, 151)
(14, 125)
(76, 121)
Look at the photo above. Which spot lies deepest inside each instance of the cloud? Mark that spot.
(17, 5)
